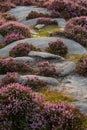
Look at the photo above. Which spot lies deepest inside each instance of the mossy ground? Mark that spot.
(45, 32)
(56, 97)
(74, 57)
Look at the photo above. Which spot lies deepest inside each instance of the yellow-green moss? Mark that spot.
(44, 32)
(55, 97)
(74, 57)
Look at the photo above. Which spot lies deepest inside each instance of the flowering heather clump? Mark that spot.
(9, 38)
(47, 21)
(9, 78)
(55, 14)
(5, 6)
(76, 28)
(15, 27)
(8, 17)
(47, 69)
(82, 66)
(82, 3)
(35, 83)
(23, 2)
(67, 8)
(10, 65)
(34, 14)
(62, 116)
(22, 49)
(57, 47)
(21, 109)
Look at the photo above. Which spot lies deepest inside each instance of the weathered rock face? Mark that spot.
(45, 55)
(1, 38)
(42, 43)
(21, 12)
(66, 68)
(48, 80)
(24, 59)
(75, 86)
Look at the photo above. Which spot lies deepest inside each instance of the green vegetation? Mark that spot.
(44, 32)
(74, 57)
(56, 97)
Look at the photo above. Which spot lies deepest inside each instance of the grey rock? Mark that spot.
(66, 68)
(1, 38)
(21, 12)
(48, 80)
(61, 22)
(42, 43)
(39, 26)
(82, 105)
(75, 85)
(24, 59)
(44, 55)
(1, 76)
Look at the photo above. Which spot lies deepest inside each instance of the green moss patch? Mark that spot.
(56, 97)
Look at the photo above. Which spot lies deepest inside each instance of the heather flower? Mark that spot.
(22, 49)
(82, 66)
(6, 5)
(9, 78)
(21, 108)
(10, 65)
(47, 21)
(34, 14)
(76, 28)
(57, 47)
(15, 27)
(66, 8)
(47, 69)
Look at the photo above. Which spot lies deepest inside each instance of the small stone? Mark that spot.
(39, 26)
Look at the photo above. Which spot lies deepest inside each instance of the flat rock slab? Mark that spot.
(42, 43)
(75, 85)
(61, 22)
(48, 80)
(21, 12)
(44, 55)
(1, 38)
(66, 68)
(24, 59)
(1, 76)
(82, 105)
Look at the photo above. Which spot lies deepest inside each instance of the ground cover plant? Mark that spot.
(22, 49)
(47, 21)
(34, 14)
(66, 8)
(76, 28)
(82, 66)
(57, 47)
(19, 105)
(15, 27)
(47, 69)
(10, 65)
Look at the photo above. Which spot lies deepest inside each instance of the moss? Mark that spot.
(44, 32)
(85, 122)
(74, 57)
(55, 97)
